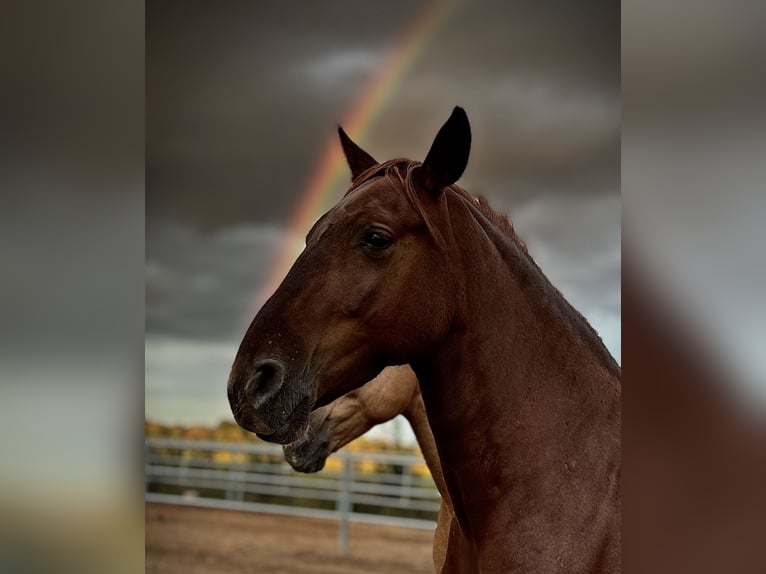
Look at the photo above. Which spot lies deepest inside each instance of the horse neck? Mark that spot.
(518, 399)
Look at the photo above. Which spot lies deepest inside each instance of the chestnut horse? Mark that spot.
(393, 392)
(522, 397)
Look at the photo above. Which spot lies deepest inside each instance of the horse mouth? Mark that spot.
(293, 427)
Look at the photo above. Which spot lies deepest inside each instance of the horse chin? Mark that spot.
(312, 463)
(308, 454)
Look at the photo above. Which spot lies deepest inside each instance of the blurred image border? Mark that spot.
(73, 179)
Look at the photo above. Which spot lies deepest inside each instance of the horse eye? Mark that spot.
(377, 239)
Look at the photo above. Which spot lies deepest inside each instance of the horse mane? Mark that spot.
(402, 172)
(499, 219)
(576, 319)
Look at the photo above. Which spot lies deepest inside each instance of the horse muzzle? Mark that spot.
(263, 403)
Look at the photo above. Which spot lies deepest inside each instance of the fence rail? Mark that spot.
(378, 488)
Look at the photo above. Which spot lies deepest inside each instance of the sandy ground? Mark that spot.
(198, 540)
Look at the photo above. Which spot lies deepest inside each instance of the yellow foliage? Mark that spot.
(196, 433)
(227, 457)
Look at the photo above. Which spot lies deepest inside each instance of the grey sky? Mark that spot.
(242, 97)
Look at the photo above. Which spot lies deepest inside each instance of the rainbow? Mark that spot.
(331, 171)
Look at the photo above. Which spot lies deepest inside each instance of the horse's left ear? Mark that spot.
(448, 155)
(358, 160)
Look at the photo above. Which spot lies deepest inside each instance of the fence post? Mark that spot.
(231, 483)
(344, 502)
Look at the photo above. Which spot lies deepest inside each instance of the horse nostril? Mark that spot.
(266, 380)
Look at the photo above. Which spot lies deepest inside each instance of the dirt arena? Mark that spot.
(189, 540)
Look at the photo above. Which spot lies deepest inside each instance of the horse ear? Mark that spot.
(358, 159)
(448, 156)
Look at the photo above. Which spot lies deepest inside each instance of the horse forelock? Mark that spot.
(400, 173)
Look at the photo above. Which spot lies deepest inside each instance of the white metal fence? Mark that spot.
(380, 488)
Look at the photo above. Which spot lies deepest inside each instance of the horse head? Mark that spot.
(371, 289)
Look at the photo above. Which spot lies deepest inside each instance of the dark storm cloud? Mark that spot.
(203, 285)
(241, 100)
(233, 125)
